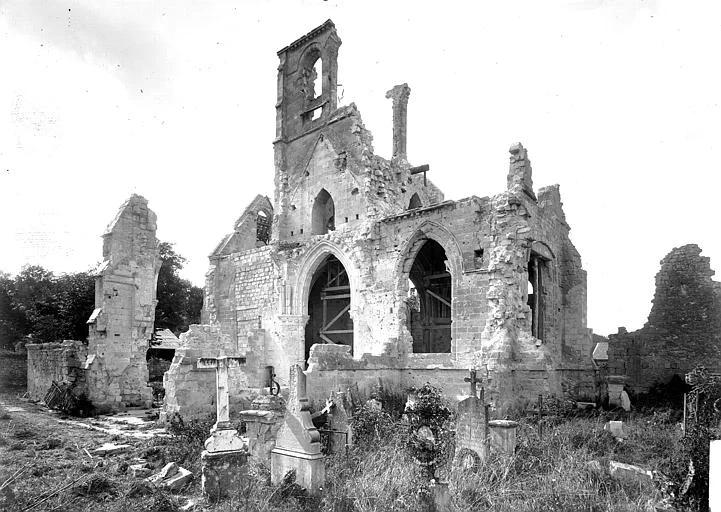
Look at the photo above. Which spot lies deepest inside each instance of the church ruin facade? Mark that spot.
(360, 271)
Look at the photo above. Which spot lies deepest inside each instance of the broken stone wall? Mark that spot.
(60, 362)
(125, 299)
(683, 328)
(190, 392)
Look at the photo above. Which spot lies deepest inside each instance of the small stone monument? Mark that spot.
(471, 427)
(503, 436)
(262, 423)
(298, 446)
(223, 460)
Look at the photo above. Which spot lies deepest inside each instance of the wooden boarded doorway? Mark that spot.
(329, 306)
(431, 295)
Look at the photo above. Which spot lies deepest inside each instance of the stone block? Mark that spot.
(628, 471)
(111, 449)
(503, 436)
(309, 468)
(222, 473)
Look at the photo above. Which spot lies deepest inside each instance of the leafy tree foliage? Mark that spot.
(37, 303)
(179, 302)
(50, 308)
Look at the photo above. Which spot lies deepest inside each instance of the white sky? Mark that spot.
(618, 101)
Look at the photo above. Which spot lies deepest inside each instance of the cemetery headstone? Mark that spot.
(223, 462)
(298, 444)
(471, 427)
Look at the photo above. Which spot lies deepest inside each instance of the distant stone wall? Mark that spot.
(13, 370)
(683, 328)
(59, 362)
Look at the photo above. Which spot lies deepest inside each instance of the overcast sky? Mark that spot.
(618, 101)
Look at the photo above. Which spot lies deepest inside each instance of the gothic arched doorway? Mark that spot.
(329, 306)
(430, 296)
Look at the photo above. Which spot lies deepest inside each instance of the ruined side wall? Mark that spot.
(191, 392)
(59, 362)
(683, 328)
(122, 323)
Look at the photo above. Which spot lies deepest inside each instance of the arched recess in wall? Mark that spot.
(415, 202)
(539, 276)
(319, 267)
(428, 270)
(310, 82)
(323, 216)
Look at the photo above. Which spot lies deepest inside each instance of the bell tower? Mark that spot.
(307, 83)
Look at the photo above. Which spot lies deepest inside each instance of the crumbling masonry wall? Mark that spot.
(125, 299)
(683, 328)
(60, 362)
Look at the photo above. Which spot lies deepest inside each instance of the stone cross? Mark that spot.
(223, 435)
(473, 380)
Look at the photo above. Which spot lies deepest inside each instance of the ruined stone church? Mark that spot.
(358, 270)
(361, 271)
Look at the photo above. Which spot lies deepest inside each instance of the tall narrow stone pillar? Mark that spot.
(399, 94)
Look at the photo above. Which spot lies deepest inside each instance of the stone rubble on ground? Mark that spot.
(629, 471)
(616, 429)
(171, 477)
(111, 449)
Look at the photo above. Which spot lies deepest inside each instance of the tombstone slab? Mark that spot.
(222, 472)
(298, 446)
(471, 427)
(503, 436)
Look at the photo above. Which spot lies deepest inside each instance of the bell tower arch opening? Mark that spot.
(329, 303)
(323, 213)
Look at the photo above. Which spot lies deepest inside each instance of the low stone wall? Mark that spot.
(13, 371)
(48, 362)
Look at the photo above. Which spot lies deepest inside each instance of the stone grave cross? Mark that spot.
(473, 380)
(223, 436)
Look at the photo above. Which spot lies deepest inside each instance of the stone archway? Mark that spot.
(329, 304)
(430, 264)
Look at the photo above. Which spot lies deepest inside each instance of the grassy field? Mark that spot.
(44, 466)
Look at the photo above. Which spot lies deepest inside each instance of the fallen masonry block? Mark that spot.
(139, 470)
(181, 478)
(168, 470)
(171, 477)
(615, 428)
(111, 449)
(621, 470)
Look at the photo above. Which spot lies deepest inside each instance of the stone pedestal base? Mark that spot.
(222, 472)
(309, 468)
(503, 436)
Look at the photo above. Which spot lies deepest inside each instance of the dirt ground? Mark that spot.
(47, 461)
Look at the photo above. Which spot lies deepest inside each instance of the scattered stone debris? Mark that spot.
(629, 471)
(616, 429)
(140, 470)
(111, 449)
(171, 477)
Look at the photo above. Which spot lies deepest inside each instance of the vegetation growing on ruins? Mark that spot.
(563, 468)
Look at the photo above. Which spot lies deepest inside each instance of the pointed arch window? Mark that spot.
(323, 213)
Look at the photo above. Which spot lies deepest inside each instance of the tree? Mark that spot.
(179, 302)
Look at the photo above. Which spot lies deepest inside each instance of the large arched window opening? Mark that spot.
(430, 298)
(329, 306)
(323, 213)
